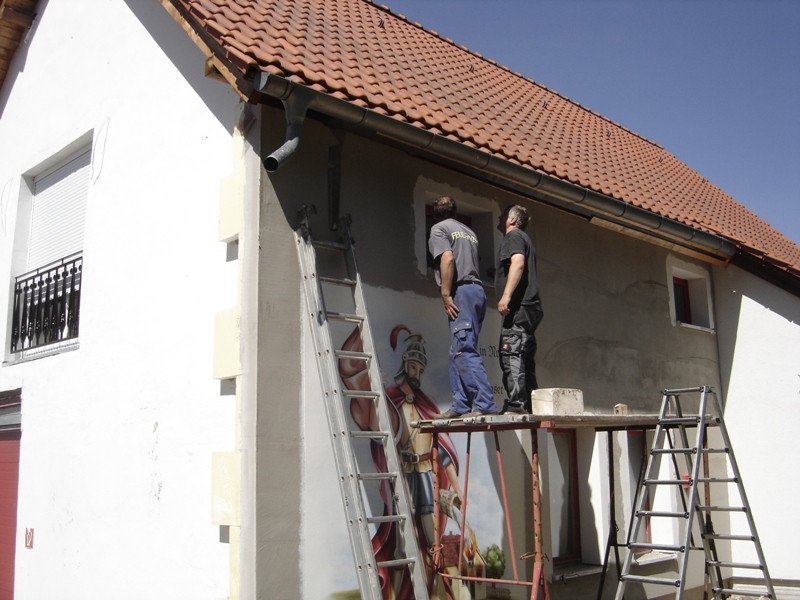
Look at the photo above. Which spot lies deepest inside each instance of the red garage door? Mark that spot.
(9, 479)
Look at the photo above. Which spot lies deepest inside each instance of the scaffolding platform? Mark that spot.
(510, 422)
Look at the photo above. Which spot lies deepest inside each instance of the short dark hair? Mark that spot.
(520, 216)
(444, 208)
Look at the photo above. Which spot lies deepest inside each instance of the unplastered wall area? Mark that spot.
(759, 335)
(608, 330)
(118, 431)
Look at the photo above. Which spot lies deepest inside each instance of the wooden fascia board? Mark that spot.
(213, 62)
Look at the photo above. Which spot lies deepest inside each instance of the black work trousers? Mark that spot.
(517, 351)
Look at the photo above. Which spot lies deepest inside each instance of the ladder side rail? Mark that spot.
(361, 544)
(693, 493)
(684, 438)
(401, 496)
(707, 528)
(745, 503)
(653, 466)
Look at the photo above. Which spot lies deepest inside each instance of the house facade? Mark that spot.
(170, 434)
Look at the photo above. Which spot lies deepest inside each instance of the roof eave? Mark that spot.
(496, 169)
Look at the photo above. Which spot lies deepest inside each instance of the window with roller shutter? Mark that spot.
(47, 297)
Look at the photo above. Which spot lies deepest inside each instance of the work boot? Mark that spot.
(449, 414)
(478, 413)
(510, 408)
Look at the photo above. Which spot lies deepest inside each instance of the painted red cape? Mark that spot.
(384, 542)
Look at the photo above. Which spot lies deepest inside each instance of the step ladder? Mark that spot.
(687, 479)
(351, 478)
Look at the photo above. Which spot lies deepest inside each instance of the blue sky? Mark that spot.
(715, 82)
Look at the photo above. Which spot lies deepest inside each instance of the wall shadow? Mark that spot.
(186, 56)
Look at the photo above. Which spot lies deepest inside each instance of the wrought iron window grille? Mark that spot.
(47, 304)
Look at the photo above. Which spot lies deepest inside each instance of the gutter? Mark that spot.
(465, 158)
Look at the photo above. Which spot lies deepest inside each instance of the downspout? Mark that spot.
(369, 121)
(296, 100)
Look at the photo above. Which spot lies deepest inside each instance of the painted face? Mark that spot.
(414, 371)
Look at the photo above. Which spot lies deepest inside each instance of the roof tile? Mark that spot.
(361, 52)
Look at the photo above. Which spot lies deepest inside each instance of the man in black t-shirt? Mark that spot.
(518, 301)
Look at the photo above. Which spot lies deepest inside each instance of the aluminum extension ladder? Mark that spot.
(673, 418)
(351, 478)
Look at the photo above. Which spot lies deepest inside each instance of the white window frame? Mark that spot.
(22, 235)
(482, 211)
(702, 305)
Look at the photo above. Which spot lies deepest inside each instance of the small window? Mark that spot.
(477, 213)
(683, 307)
(690, 294)
(562, 486)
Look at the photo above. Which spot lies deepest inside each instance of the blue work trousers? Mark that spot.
(471, 388)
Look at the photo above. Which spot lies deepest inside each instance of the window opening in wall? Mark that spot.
(46, 305)
(563, 496)
(690, 294)
(683, 310)
(430, 221)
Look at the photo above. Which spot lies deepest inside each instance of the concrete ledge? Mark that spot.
(225, 487)
(231, 216)
(227, 363)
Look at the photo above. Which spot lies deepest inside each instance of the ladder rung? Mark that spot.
(386, 519)
(674, 451)
(399, 562)
(734, 565)
(658, 513)
(665, 547)
(352, 355)
(656, 580)
(372, 435)
(679, 391)
(338, 280)
(337, 316)
(715, 450)
(329, 245)
(679, 421)
(741, 592)
(376, 476)
(718, 480)
(722, 508)
(360, 394)
(728, 536)
(668, 482)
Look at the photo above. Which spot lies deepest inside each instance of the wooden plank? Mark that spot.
(509, 422)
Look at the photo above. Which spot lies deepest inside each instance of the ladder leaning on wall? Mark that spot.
(351, 477)
(673, 417)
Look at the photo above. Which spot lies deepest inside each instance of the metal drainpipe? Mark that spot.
(426, 141)
(295, 103)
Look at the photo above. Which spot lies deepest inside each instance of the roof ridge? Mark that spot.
(507, 69)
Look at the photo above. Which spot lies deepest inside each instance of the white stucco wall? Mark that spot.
(759, 336)
(115, 473)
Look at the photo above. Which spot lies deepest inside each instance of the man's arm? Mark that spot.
(515, 270)
(447, 270)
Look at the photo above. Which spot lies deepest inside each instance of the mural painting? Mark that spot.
(416, 384)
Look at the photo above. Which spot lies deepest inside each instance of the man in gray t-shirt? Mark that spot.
(454, 247)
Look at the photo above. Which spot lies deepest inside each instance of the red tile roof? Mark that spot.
(363, 53)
